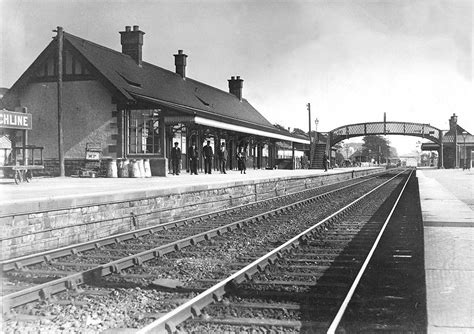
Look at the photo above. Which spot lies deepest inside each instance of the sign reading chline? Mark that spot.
(15, 120)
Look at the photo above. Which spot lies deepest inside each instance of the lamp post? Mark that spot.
(316, 122)
(308, 107)
(464, 135)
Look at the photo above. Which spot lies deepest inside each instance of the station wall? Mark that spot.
(87, 117)
(45, 225)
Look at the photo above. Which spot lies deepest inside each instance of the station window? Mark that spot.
(144, 132)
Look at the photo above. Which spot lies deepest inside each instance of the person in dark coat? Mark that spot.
(325, 161)
(208, 154)
(223, 155)
(175, 158)
(193, 155)
(241, 161)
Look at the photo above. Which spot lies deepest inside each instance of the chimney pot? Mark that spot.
(132, 42)
(235, 86)
(180, 63)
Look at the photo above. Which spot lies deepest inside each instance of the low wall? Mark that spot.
(45, 225)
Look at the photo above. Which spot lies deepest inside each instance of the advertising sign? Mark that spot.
(15, 120)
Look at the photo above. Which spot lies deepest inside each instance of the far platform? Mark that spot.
(447, 203)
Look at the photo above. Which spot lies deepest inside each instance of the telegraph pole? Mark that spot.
(455, 121)
(59, 39)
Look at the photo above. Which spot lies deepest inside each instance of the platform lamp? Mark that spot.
(316, 122)
(464, 135)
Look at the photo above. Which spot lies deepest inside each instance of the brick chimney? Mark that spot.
(180, 63)
(453, 121)
(235, 86)
(132, 42)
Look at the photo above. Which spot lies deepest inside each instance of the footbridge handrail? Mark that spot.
(385, 128)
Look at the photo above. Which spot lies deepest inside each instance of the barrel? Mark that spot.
(141, 167)
(122, 167)
(111, 168)
(146, 165)
(134, 169)
(119, 167)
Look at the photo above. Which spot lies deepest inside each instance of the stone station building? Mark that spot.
(132, 109)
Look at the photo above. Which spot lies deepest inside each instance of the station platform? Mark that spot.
(447, 204)
(59, 188)
(49, 213)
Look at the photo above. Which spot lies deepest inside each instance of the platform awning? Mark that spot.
(238, 128)
(187, 118)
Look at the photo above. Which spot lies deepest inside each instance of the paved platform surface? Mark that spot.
(55, 188)
(447, 199)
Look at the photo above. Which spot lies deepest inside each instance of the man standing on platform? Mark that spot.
(325, 162)
(208, 154)
(222, 154)
(175, 158)
(242, 160)
(193, 159)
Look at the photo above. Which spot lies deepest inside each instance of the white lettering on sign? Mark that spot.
(15, 120)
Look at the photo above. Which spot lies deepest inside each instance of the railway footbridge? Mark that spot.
(341, 133)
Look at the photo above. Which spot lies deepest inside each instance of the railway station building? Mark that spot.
(132, 109)
(457, 146)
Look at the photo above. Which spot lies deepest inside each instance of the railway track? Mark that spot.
(298, 286)
(193, 262)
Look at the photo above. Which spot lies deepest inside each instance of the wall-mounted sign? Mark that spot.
(94, 156)
(93, 151)
(15, 120)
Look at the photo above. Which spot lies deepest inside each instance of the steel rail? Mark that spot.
(193, 307)
(47, 256)
(337, 319)
(73, 281)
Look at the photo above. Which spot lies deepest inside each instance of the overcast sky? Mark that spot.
(352, 60)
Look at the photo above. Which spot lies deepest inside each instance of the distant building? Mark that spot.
(458, 146)
(409, 160)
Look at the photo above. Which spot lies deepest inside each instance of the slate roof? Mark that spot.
(151, 81)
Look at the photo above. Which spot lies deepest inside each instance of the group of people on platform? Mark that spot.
(208, 154)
